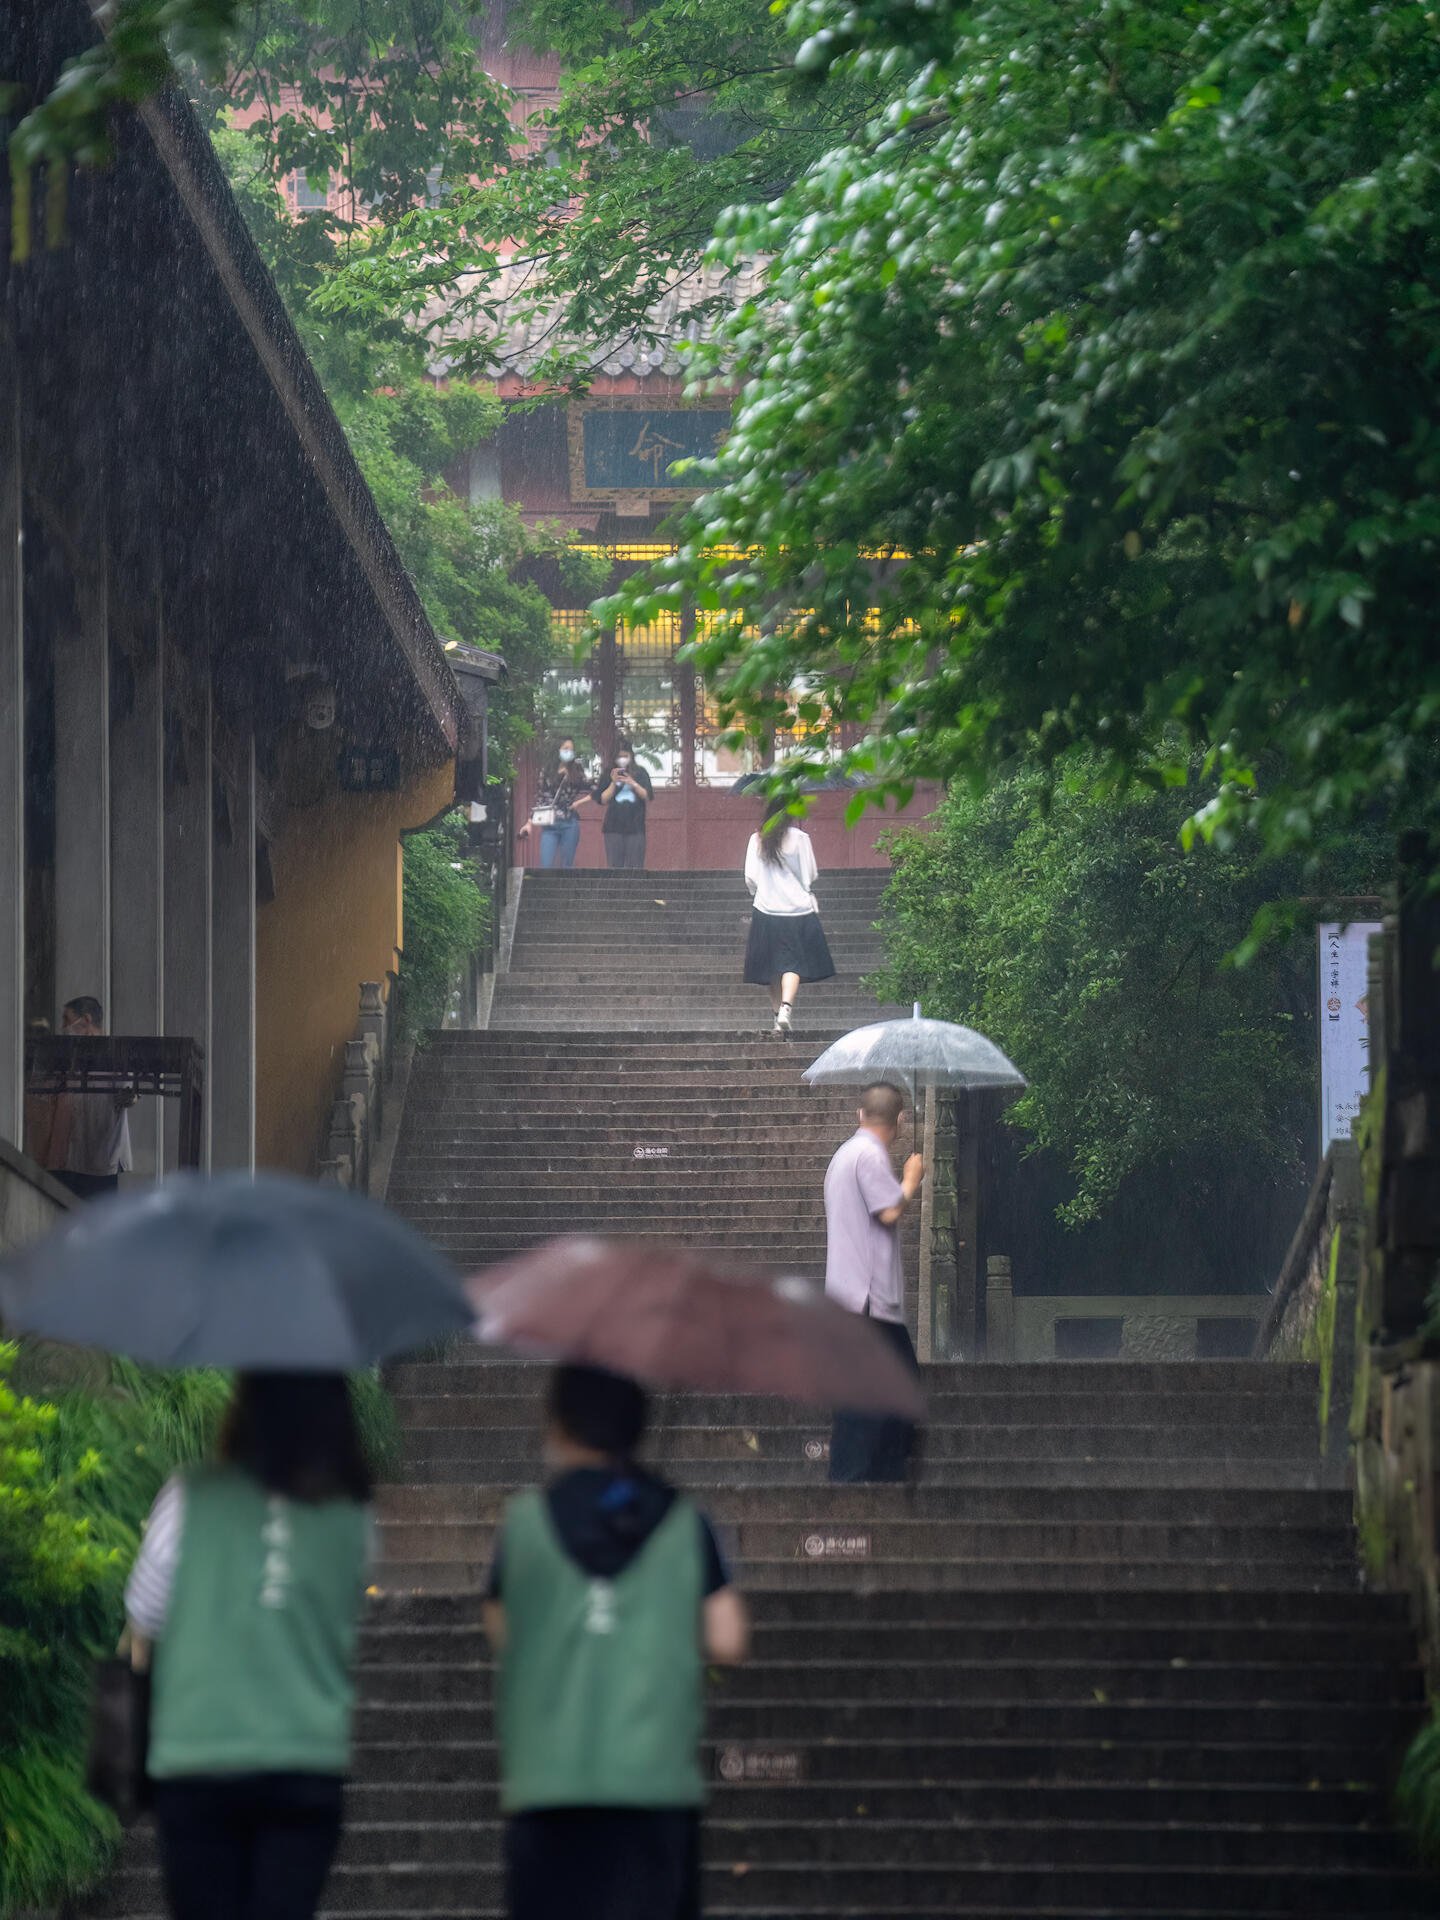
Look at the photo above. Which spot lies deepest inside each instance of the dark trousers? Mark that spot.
(867, 1446)
(90, 1186)
(603, 1863)
(625, 849)
(252, 1846)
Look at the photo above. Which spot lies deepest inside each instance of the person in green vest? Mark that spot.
(249, 1583)
(607, 1596)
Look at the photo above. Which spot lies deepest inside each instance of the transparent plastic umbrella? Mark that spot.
(930, 1054)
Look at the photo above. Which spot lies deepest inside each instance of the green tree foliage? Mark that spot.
(1070, 928)
(446, 917)
(668, 113)
(1120, 321)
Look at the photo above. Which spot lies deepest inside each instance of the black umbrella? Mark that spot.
(263, 1273)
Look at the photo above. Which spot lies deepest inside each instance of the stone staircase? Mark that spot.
(1111, 1656)
(645, 952)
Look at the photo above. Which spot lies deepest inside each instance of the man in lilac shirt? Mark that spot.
(864, 1206)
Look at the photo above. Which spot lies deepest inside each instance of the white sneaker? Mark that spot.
(782, 1019)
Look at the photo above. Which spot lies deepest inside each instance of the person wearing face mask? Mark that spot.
(607, 1597)
(563, 790)
(624, 796)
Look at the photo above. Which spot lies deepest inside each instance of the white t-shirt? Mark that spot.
(783, 890)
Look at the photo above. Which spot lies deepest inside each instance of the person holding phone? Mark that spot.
(625, 793)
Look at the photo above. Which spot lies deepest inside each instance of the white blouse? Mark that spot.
(783, 890)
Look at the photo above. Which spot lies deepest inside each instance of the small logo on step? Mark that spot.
(652, 1153)
(776, 1766)
(835, 1546)
(817, 1450)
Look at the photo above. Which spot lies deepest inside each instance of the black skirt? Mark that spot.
(786, 943)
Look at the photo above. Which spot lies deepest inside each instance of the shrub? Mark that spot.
(1417, 1793)
(446, 917)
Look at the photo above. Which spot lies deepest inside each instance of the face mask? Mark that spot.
(567, 754)
(623, 760)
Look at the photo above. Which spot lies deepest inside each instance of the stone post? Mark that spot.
(232, 1050)
(925, 1316)
(82, 773)
(999, 1309)
(137, 867)
(12, 763)
(189, 923)
(357, 1085)
(344, 1140)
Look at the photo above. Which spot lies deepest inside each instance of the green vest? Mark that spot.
(253, 1674)
(600, 1691)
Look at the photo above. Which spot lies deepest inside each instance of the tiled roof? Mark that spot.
(524, 329)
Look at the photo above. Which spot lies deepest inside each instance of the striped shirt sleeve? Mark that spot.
(147, 1592)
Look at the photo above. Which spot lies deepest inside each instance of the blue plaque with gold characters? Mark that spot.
(625, 450)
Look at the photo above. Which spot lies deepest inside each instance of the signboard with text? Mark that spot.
(1344, 1019)
(627, 450)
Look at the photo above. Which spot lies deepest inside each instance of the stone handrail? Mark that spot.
(358, 1116)
(1312, 1311)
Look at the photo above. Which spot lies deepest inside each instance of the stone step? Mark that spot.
(1379, 1725)
(509, 1474)
(1336, 1575)
(470, 1403)
(964, 1683)
(1005, 1764)
(1037, 1383)
(1295, 1607)
(1174, 1643)
(1282, 1512)
(788, 1889)
(416, 1846)
(993, 1542)
(1316, 1808)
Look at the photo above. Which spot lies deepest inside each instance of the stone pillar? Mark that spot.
(999, 1309)
(137, 871)
(232, 1034)
(925, 1314)
(189, 840)
(12, 762)
(82, 776)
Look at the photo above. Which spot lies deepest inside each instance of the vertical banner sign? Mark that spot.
(1344, 1025)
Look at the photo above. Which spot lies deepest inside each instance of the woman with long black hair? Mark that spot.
(564, 788)
(250, 1582)
(787, 941)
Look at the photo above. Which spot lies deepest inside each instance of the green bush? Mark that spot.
(1066, 923)
(1417, 1793)
(78, 1473)
(446, 918)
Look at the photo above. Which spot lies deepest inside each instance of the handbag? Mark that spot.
(543, 817)
(115, 1768)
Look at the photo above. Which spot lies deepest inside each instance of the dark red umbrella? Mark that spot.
(674, 1319)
